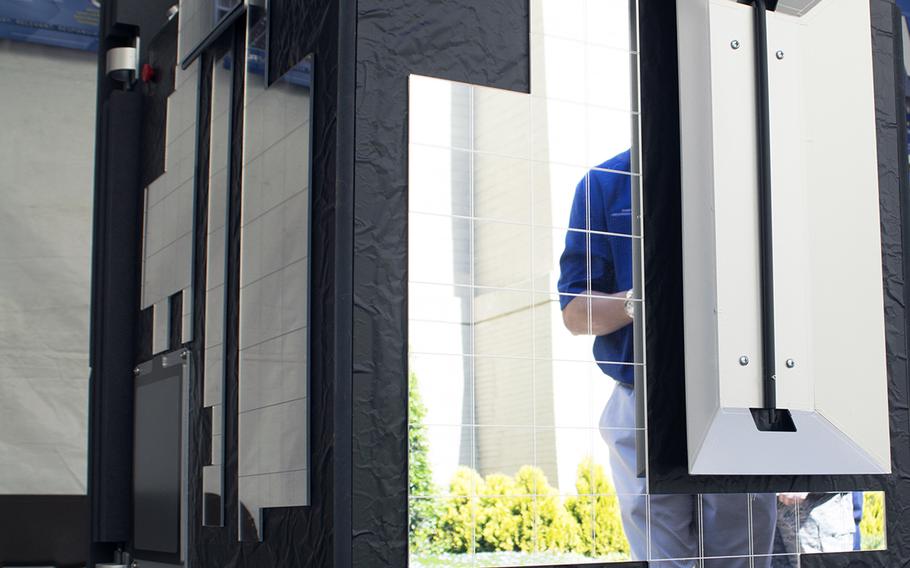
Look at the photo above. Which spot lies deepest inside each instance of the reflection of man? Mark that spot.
(598, 265)
(815, 522)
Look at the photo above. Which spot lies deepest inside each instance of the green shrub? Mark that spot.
(872, 527)
(556, 529)
(596, 509)
(460, 513)
(423, 514)
(521, 514)
(500, 519)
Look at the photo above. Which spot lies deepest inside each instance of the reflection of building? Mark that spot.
(514, 392)
(529, 388)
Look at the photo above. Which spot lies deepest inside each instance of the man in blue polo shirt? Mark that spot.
(595, 294)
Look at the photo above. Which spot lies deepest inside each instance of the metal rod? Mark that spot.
(762, 105)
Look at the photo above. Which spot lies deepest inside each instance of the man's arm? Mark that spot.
(608, 314)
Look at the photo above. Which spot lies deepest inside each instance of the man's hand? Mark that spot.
(607, 314)
(790, 499)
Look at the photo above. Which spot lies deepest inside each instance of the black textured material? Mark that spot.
(115, 297)
(474, 41)
(145, 323)
(299, 536)
(162, 56)
(50, 530)
(668, 472)
(175, 321)
(342, 514)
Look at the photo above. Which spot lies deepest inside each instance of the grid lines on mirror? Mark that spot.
(524, 248)
(506, 403)
(273, 444)
(167, 243)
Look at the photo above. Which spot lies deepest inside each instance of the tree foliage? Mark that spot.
(423, 511)
(872, 527)
(501, 513)
(596, 508)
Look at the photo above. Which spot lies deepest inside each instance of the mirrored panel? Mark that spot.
(521, 290)
(814, 523)
(167, 244)
(524, 311)
(199, 18)
(274, 289)
(213, 389)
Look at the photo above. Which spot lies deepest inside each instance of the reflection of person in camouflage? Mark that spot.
(813, 522)
(594, 285)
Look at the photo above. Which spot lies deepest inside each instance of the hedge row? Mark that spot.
(521, 514)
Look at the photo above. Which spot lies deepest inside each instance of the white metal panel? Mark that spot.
(827, 251)
(733, 446)
(735, 205)
(848, 348)
(697, 142)
(792, 279)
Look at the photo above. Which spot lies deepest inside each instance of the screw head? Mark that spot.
(136, 371)
(791, 363)
(735, 44)
(779, 54)
(744, 360)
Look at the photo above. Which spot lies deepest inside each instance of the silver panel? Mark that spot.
(273, 440)
(168, 216)
(161, 318)
(216, 266)
(198, 18)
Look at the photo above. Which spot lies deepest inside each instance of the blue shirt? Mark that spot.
(602, 205)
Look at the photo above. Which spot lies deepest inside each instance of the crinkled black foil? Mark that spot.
(481, 42)
(293, 536)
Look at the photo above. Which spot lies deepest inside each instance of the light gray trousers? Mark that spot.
(675, 531)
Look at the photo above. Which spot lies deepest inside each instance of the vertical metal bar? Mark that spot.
(769, 371)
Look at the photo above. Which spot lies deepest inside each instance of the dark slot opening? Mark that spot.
(773, 420)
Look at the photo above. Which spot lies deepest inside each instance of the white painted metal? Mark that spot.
(827, 250)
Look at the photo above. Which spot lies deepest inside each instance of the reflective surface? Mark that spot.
(198, 18)
(167, 244)
(274, 282)
(523, 270)
(213, 390)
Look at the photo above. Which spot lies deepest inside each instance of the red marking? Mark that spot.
(148, 73)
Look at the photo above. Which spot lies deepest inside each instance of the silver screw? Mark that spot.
(780, 54)
(184, 355)
(136, 371)
(735, 44)
(743, 360)
(791, 363)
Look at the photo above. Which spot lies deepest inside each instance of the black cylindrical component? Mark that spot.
(766, 249)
